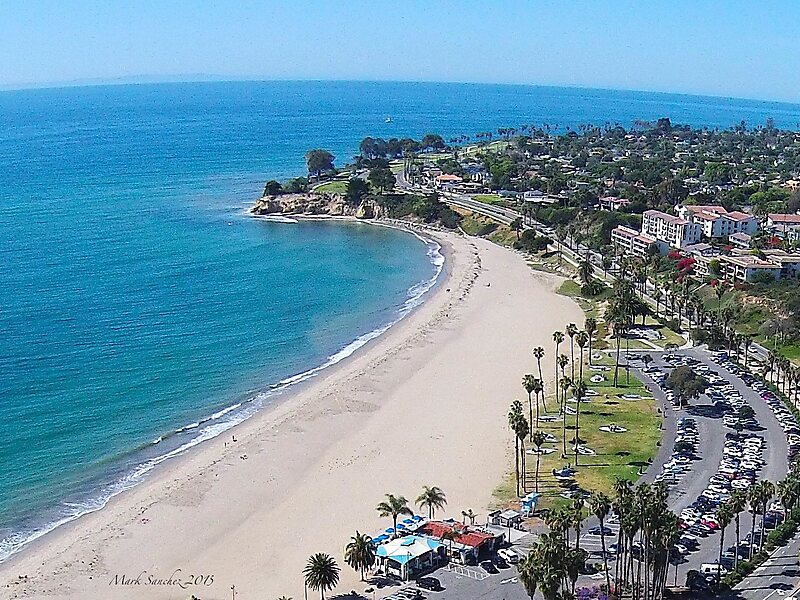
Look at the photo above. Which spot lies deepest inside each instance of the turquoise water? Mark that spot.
(137, 298)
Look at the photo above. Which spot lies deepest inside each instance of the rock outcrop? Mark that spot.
(315, 204)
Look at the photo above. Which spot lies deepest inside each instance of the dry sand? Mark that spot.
(425, 404)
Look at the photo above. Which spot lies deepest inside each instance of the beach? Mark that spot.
(424, 404)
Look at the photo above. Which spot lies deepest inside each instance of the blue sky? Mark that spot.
(729, 48)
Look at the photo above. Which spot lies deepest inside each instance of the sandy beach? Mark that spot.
(425, 404)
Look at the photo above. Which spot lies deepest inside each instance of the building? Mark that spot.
(785, 226)
(674, 231)
(446, 180)
(747, 268)
(741, 240)
(467, 543)
(716, 222)
(612, 203)
(407, 556)
(630, 241)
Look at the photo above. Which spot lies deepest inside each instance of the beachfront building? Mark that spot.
(468, 543)
(408, 556)
(446, 180)
(674, 231)
(630, 241)
(717, 223)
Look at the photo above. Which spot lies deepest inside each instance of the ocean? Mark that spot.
(143, 311)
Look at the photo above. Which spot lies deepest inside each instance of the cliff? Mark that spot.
(315, 204)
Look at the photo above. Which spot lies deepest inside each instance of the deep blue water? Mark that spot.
(137, 298)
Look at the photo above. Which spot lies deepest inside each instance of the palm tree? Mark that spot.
(766, 492)
(590, 326)
(359, 553)
(572, 331)
(527, 568)
(529, 383)
(538, 354)
(519, 425)
(754, 503)
(558, 338)
(566, 383)
(600, 505)
(393, 507)
(578, 392)
(582, 339)
(577, 520)
(537, 439)
(737, 502)
(724, 517)
(321, 573)
(432, 498)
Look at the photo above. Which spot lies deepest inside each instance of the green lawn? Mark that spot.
(488, 198)
(618, 454)
(332, 187)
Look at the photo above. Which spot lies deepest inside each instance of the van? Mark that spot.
(712, 568)
(509, 555)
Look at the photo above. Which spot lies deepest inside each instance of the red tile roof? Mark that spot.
(467, 537)
(781, 218)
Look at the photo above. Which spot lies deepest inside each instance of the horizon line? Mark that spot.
(212, 78)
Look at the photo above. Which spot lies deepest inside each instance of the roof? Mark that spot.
(750, 262)
(406, 548)
(740, 235)
(709, 208)
(737, 215)
(448, 177)
(657, 214)
(465, 536)
(784, 218)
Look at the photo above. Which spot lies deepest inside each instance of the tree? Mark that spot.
(537, 440)
(724, 517)
(432, 141)
(578, 392)
(558, 338)
(538, 354)
(432, 498)
(393, 507)
(321, 573)
(572, 331)
(582, 339)
(272, 188)
(359, 553)
(529, 382)
(382, 178)
(737, 503)
(357, 188)
(318, 161)
(590, 326)
(600, 505)
(686, 384)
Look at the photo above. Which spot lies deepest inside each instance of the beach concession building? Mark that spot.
(467, 543)
(407, 556)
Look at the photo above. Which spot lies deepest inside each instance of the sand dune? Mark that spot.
(423, 405)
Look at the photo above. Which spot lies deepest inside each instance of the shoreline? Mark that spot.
(307, 471)
(244, 408)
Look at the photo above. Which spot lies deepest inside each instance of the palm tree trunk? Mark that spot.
(752, 535)
(616, 364)
(605, 558)
(721, 545)
(577, 428)
(538, 458)
(736, 554)
(516, 460)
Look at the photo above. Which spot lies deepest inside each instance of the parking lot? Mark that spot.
(709, 449)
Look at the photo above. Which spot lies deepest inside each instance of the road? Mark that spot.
(776, 578)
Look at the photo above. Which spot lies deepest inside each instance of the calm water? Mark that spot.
(137, 299)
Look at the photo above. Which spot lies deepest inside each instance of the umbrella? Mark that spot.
(417, 518)
(408, 521)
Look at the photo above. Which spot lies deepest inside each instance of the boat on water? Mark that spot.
(388, 120)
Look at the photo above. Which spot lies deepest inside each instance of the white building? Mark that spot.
(630, 241)
(674, 231)
(716, 222)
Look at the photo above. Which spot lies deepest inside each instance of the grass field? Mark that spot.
(332, 187)
(489, 198)
(621, 455)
